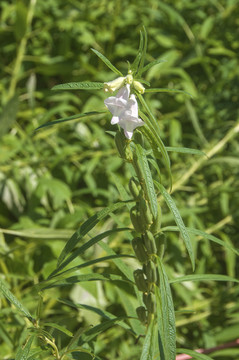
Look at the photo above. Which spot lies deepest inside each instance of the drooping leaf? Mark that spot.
(70, 118)
(195, 355)
(204, 235)
(85, 85)
(148, 183)
(184, 150)
(59, 327)
(165, 90)
(13, 300)
(203, 277)
(84, 247)
(85, 228)
(165, 316)
(107, 62)
(79, 278)
(179, 221)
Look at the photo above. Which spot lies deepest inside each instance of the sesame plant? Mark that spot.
(142, 271)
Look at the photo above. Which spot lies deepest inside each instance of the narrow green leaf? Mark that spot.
(85, 85)
(179, 221)
(204, 235)
(159, 150)
(80, 278)
(147, 67)
(85, 228)
(166, 316)
(96, 261)
(13, 300)
(107, 62)
(118, 262)
(22, 353)
(98, 329)
(73, 117)
(84, 247)
(184, 150)
(153, 134)
(203, 277)
(145, 45)
(148, 342)
(136, 62)
(60, 328)
(148, 183)
(8, 115)
(194, 354)
(165, 90)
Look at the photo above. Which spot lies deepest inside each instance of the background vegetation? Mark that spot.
(53, 180)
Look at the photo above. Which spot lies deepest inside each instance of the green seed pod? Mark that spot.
(141, 312)
(120, 143)
(145, 212)
(136, 220)
(134, 187)
(122, 146)
(149, 243)
(137, 167)
(151, 303)
(155, 227)
(138, 138)
(140, 280)
(160, 240)
(151, 272)
(139, 249)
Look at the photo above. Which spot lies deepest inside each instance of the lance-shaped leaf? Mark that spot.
(179, 221)
(148, 183)
(165, 316)
(107, 62)
(70, 118)
(22, 353)
(194, 354)
(203, 277)
(13, 300)
(147, 67)
(204, 235)
(165, 90)
(85, 85)
(148, 343)
(84, 247)
(85, 228)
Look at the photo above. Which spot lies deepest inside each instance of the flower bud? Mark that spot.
(114, 85)
(139, 87)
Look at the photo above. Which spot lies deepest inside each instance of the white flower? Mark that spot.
(124, 109)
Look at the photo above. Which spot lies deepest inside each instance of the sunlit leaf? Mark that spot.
(107, 62)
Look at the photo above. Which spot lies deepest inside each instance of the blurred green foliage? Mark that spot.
(53, 180)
